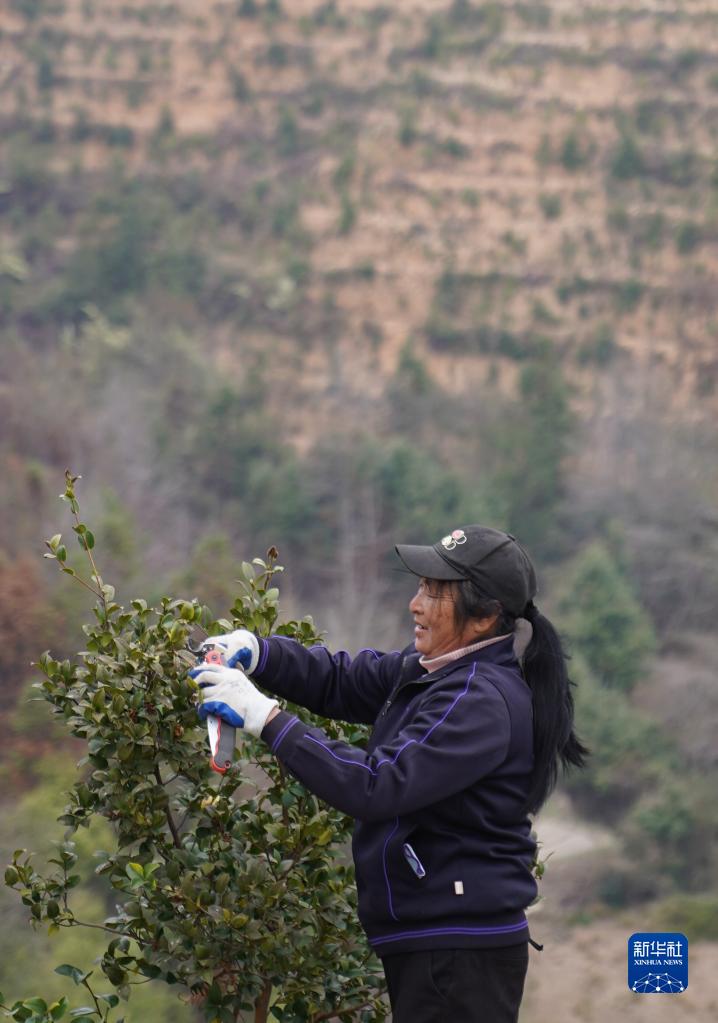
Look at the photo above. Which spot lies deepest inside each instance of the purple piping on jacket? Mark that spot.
(386, 875)
(450, 930)
(264, 651)
(263, 655)
(343, 760)
(283, 732)
(409, 742)
(339, 653)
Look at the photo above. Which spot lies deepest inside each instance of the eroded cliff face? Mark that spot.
(470, 179)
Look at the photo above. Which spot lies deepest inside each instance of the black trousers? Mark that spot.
(463, 985)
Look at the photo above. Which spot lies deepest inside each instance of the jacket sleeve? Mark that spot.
(335, 686)
(460, 733)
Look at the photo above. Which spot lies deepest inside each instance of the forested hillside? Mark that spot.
(336, 275)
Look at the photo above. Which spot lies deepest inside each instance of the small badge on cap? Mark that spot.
(453, 539)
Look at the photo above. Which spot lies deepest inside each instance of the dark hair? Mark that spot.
(545, 670)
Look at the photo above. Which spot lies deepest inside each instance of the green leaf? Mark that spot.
(85, 538)
(135, 871)
(78, 975)
(148, 969)
(112, 1000)
(115, 974)
(58, 1009)
(38, 1005)
(84, 1011)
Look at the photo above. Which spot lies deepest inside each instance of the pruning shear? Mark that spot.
(222, 736)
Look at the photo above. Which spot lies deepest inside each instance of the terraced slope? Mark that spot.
(472, 177)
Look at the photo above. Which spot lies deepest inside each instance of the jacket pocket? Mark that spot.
(400, 865)
(370, 849)
(385, 854)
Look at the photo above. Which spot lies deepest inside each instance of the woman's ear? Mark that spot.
(485, 627)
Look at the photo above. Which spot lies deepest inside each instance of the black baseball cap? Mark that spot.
(494, 561)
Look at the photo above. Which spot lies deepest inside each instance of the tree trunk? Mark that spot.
(261, 1006)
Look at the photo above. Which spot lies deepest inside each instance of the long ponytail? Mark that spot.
(555, 741)
(544, 668)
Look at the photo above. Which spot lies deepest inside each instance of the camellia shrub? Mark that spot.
(236, 888)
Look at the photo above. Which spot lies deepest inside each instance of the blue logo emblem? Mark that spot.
(658, 963)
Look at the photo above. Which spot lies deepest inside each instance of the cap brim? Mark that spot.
(426, 562)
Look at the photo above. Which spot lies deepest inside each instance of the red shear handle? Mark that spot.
(222, 736)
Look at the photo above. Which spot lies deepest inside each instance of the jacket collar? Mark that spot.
(501, 653)
(435, 663)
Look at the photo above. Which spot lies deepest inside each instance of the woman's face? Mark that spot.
(435, 629)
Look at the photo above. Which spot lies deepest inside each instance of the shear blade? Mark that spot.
(213, 733)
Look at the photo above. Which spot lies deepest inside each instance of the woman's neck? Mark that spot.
(434, 663)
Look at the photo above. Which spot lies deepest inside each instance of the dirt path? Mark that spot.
(562, 835)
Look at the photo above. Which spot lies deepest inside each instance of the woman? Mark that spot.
(466, 743)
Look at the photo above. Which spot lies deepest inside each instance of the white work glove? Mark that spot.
(240, 649)
(228, 694)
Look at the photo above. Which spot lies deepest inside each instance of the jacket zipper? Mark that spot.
(440, 673)
(404, 685)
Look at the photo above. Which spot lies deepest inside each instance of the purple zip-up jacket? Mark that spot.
(441, 848)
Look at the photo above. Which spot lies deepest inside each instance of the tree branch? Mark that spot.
(97, 593)
(168, 814)
(94, 998)
(96, 574)
(333, 1013)
(98, 927)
